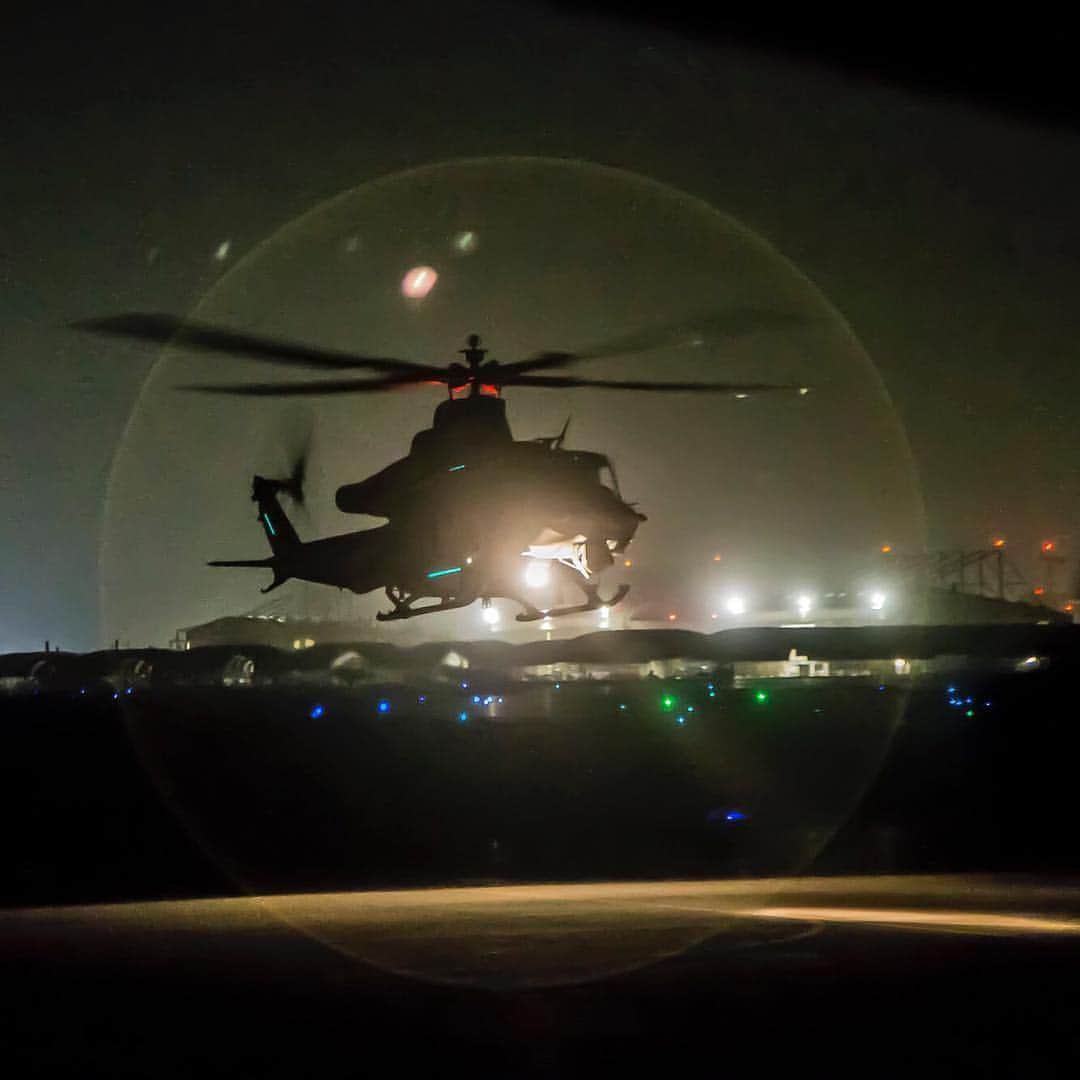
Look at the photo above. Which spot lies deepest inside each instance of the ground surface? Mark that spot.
(944, 975)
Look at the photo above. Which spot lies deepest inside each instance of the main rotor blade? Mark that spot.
(298, 389)
(166, 329)
(736, 389)
(739, 322)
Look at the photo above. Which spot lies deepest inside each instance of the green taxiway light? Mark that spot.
(761, 697)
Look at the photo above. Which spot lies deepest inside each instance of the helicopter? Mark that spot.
(471, 512)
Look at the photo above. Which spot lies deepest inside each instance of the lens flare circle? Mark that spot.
(573, 254)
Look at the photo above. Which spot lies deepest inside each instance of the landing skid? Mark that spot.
(592, 603)
(403, 605)
(407, 612)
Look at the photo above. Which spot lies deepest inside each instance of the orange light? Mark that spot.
(717, 557)
(1039, 590)
(672, 616)
(418, 282)
(1068, 609)
(886, 549)
(628, 562)
(999, 542)
(1048, 546)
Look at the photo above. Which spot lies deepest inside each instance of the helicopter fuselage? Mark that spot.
(466, 511)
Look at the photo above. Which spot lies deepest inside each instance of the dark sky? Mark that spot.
(934, 203)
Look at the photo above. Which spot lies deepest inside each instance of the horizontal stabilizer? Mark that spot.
(266, 564)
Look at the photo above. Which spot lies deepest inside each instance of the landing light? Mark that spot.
(877, 601)
(537, 574)
(736, 605)
(489, 614)
(803, 605)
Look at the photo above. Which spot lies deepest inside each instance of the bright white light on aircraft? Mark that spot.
(877, 600)
(418, 282)
(537, 574)
(803, 604)
(489, 614)
(735, 605)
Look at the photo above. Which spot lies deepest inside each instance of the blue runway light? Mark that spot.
(116, 694)
(622, 707)
(130, 690)
(950, 689)
(421, 698)
(476, 699)
(680, 719)
(464, 686)
(316, 712)
(558, 686)
(383, 706)
(734, 815)
(689, 708)
(462, 717)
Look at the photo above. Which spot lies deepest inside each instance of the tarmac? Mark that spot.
(949, 975)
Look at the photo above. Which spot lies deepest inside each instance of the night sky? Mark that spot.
(941, 224)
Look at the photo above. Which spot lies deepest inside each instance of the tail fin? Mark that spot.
(280, 533)
(279, 530)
